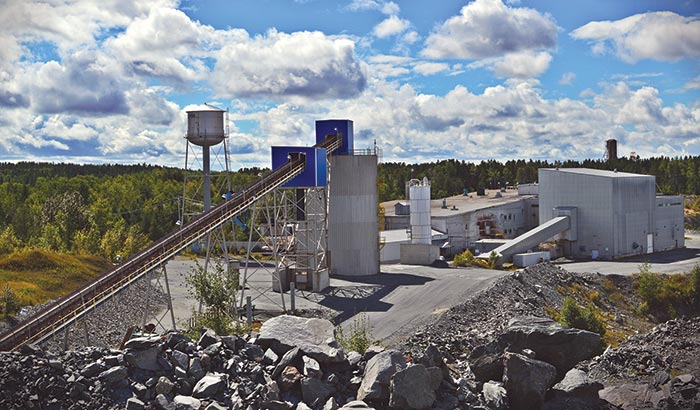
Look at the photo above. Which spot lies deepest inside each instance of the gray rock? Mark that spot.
(577, 383)
(330, 405)
(196, 370)
(162, 403)
(146, 359)
(253, 352)
(628, 396)
(526, 381)
(302, 406)
(113, 375)
(315, 337)
(270, 357)
(208, 338)
(92, 370)
(353, 358)
(356, 405)
(436, 375)
(372, 351)
(164, 385)
(135, 404)
(552, 343)
(312, 368)
(378, 372)
(180, 359)
(186, 403)
(315, 392)
(209, 386)
(215, 406)
(291, 358)
(141, 343)
(487, 367)
(412, 388)
(494, 395)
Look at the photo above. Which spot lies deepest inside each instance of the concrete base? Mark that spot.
(419, 254)
(523, 260)
(320, 281)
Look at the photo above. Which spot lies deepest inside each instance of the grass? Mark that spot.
(37, 275)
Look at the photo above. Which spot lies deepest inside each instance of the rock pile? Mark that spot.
(639, 374)
(108, 322)
(294, 363)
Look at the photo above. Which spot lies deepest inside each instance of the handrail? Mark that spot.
(71, 307)
(76, 304)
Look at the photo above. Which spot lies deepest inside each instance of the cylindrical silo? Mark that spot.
(205, 127)
(419, 192)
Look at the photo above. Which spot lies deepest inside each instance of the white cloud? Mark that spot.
(391, 26)
(567, 78)
(390, 8)
(428, 68)
(664, 36)
(305, 64)
(488, 28)
(148, 50)
(525, 64)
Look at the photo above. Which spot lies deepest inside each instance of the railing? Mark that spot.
(73, 306)
(66, 310)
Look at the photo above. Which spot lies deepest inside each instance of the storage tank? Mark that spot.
(419, 192)
(205, 127)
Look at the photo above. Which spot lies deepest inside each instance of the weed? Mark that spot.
(463, 259)
(359, 337)
(9, 301)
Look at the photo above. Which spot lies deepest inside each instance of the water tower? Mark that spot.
(205, 128)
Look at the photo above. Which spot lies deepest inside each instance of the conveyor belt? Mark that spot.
(73, 306)
(67, 309)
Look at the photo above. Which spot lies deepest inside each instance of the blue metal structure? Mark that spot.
(343, 127)
(315, 172)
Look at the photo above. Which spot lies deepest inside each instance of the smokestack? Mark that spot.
(611, 149)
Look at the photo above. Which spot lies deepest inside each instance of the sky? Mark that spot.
(110, 81)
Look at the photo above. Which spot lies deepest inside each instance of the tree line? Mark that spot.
(674, 176)
(112, 210)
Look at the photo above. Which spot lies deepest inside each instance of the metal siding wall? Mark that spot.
(634, 202)
(592, 196)
(669, 223)
(353, 224)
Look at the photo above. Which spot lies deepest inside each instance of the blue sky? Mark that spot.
(96, 81)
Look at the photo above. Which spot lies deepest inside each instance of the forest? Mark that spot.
(110, 210)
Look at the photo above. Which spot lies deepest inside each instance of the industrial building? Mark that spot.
(617, 214)
(463, 222)
(585, 213)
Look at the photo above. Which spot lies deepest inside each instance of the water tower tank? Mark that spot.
(205, 127)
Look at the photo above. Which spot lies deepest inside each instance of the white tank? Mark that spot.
(205, 127)
(419, 194)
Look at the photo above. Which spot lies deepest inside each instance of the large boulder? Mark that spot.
(526, 381)
(627, 396)
(186, 403)
(315, 337)
(575, 392)
(209, 386)
(552, 343)
(315, 392)
(413, 388)
(146, 359)
(378, 372)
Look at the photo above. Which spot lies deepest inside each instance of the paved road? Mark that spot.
(675, 261)
(396, 302)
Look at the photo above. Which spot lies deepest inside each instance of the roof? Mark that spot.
(460, 204)
(596, 172)
(401, 235)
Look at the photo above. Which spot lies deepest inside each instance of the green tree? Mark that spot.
(216, 290)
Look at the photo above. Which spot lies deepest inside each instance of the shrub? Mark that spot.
(695, 280)
(360, 335)
(573, 315)
(217, 291)
(463, 259)
(10, 302)
(649, 285)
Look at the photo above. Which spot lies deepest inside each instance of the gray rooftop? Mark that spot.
(596, 172)
(460, 204)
